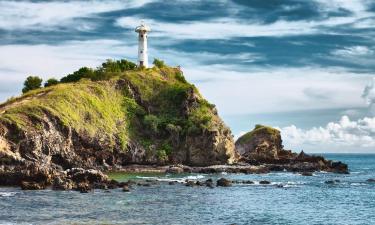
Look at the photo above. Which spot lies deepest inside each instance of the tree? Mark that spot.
(83, 72)
(159, 63)
(51, 82)
(31, 83)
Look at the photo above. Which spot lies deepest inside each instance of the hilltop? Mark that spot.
(136, 115)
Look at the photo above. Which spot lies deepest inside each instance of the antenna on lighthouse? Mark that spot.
(142, 31)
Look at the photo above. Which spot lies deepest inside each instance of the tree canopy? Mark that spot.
(51, 82)
(31, 83)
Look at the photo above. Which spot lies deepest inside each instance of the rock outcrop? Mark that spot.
(136, 117)
(263, 145)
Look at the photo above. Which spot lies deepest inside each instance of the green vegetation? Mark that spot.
(259, 129)
(158, 63)
(118, 102)
(51, 82)
(32, 83)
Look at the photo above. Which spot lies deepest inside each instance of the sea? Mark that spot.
(300, 200)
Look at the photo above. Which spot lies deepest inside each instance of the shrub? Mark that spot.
(83, 72)
(152, 122)
(159, 63)
(32, 83)
(51, 82)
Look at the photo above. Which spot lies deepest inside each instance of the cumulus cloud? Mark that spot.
(358, 133)
(49, 15)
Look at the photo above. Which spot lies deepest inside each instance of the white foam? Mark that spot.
(7, 194)
(194, 177)
(358, 184)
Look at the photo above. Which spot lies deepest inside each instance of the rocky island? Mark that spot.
(121, 117)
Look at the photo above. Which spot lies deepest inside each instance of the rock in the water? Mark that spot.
(83, 187)
(306, 174)
(62, 184)
(371, 180)
(190, 183)
(263, 145)
(126, 189)
(264, 182)
(32, 186)
(332, 181)
(222, 182)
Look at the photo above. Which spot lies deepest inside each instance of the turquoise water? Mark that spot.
(302, 200)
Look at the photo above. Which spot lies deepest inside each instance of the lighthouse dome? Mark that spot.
(142, 28)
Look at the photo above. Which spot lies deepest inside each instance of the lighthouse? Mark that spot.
(142, 31)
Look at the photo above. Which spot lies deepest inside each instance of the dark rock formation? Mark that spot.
(222, 182)
(264, 146)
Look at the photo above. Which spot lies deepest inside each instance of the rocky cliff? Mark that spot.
(143, 116)
(263, 145)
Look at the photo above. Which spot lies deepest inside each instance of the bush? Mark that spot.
(51, 82)
(122, 65)
(83, 72)
(32, 83)
(152, 122)
(159, 63)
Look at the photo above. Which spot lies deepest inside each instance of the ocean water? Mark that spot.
(302, 200)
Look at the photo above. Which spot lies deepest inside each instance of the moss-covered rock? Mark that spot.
(146, 116)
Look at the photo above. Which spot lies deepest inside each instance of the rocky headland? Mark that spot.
(122, 118)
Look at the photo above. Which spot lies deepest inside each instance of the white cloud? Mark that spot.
(359, 133)
(225, 28)
(353, 51)
(369, 95)
(47, 15)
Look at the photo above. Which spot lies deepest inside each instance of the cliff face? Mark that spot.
(263, 145)
(148, 116)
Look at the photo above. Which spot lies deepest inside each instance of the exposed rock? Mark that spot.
(264, 182)
(264, 146)
(175, 169)
(332, 181)
(83, 187)
(222, 182)
(190, 183)
(32, 186)
(126, 189)
(309, 174)
(371, 180)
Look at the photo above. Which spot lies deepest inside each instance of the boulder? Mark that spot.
(222, 182)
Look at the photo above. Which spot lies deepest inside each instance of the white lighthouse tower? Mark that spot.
(142, 31)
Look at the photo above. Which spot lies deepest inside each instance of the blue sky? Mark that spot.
(306, 67)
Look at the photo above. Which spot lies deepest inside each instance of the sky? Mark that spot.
(304, 66)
